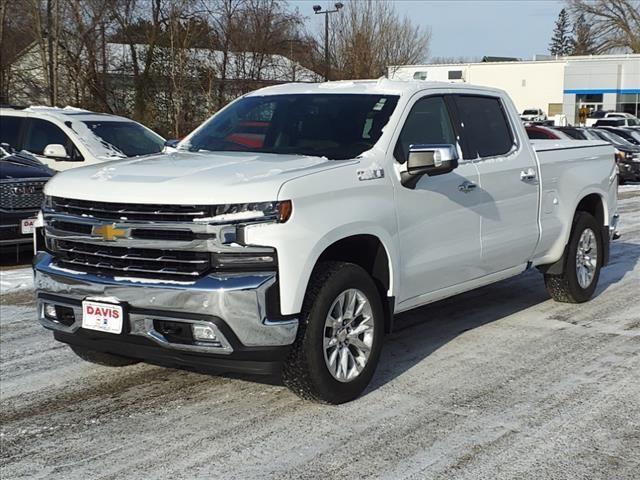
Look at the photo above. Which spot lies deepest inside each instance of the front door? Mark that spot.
(439, 225)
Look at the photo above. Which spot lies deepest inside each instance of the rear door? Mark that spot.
(508, 180)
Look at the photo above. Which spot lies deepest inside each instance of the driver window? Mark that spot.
(41, 133)
(427, 123)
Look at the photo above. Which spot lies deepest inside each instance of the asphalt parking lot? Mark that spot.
(498, 383)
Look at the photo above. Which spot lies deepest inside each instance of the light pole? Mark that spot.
(318, 10)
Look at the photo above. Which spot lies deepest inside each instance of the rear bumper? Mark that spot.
(234, 305)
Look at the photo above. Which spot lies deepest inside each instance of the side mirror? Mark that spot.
(432, 159)
(429, 160)
(56, 151)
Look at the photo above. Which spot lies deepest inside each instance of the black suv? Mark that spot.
(22, 179)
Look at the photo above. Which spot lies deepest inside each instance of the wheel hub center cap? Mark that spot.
(342, 335)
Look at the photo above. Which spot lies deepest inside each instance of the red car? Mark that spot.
(538, 132)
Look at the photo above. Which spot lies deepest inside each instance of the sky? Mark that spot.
(473, 28)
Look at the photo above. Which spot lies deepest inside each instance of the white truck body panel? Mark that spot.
(439, 241)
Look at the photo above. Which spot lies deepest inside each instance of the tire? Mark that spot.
(567, 288)
(102, 358)
(308, 371)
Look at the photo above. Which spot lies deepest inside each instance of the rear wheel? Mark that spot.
(340, 335)
(584, 259)
(102, 358)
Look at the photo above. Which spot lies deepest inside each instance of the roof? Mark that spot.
(569, 59)
(68, 113)
(488, 58)
(382, 86)
(240, 65)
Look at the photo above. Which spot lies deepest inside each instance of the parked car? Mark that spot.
(620, 115)
(22, 178)
(64, 138)
(539, 132)
(578, 133)
(627, 155)
(618, 122)
(629, 134)
(594, 116)
(533, 115)
(291, 255)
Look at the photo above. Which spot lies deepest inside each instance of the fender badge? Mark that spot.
(370, 174)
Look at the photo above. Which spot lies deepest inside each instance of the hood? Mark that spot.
(16, 167)
(187, 178)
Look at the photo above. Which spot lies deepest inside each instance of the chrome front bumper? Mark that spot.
(236, 300)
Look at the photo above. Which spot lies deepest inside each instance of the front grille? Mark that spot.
(25, 195)
(140, 233)
(11, 232)
(130, 262)
(130, 211)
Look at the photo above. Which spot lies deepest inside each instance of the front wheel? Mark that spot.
(584, 259)
(339, 337)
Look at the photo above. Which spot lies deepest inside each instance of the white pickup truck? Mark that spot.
(287, 230)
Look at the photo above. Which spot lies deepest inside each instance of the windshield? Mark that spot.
(530, 112)
(336, 126)
(130, 138)
(613, 138)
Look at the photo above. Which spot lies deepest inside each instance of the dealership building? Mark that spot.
(559, 85)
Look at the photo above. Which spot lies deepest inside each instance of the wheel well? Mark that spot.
(368, 252)
(592, 204)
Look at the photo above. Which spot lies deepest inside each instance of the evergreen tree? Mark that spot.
(561, 42)
(583, 40)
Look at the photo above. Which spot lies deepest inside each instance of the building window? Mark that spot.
(420, 76)
(629, 103)
(455, 74)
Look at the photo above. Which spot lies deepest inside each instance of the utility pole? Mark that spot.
(318, 10)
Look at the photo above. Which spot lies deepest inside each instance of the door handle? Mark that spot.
(467, 186)
(528, 175)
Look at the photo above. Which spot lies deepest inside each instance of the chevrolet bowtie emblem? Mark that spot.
(109, 232)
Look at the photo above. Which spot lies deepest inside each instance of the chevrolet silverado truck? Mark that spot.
(286, 231)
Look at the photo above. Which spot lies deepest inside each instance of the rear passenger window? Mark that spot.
(485, 127)
(10, 128)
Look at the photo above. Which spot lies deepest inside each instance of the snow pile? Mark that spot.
(15, 280)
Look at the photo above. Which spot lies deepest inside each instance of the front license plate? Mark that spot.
(104, 317)
(27, 225)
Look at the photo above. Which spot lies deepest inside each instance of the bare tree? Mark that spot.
(614, 23)
(367, 36)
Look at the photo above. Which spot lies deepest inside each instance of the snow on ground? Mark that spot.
(497, 383)
(15, 279)
(629, 187)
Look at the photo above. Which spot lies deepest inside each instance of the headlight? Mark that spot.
(251, 213)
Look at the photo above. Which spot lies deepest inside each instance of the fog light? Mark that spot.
(50, 311)
(204, 333)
